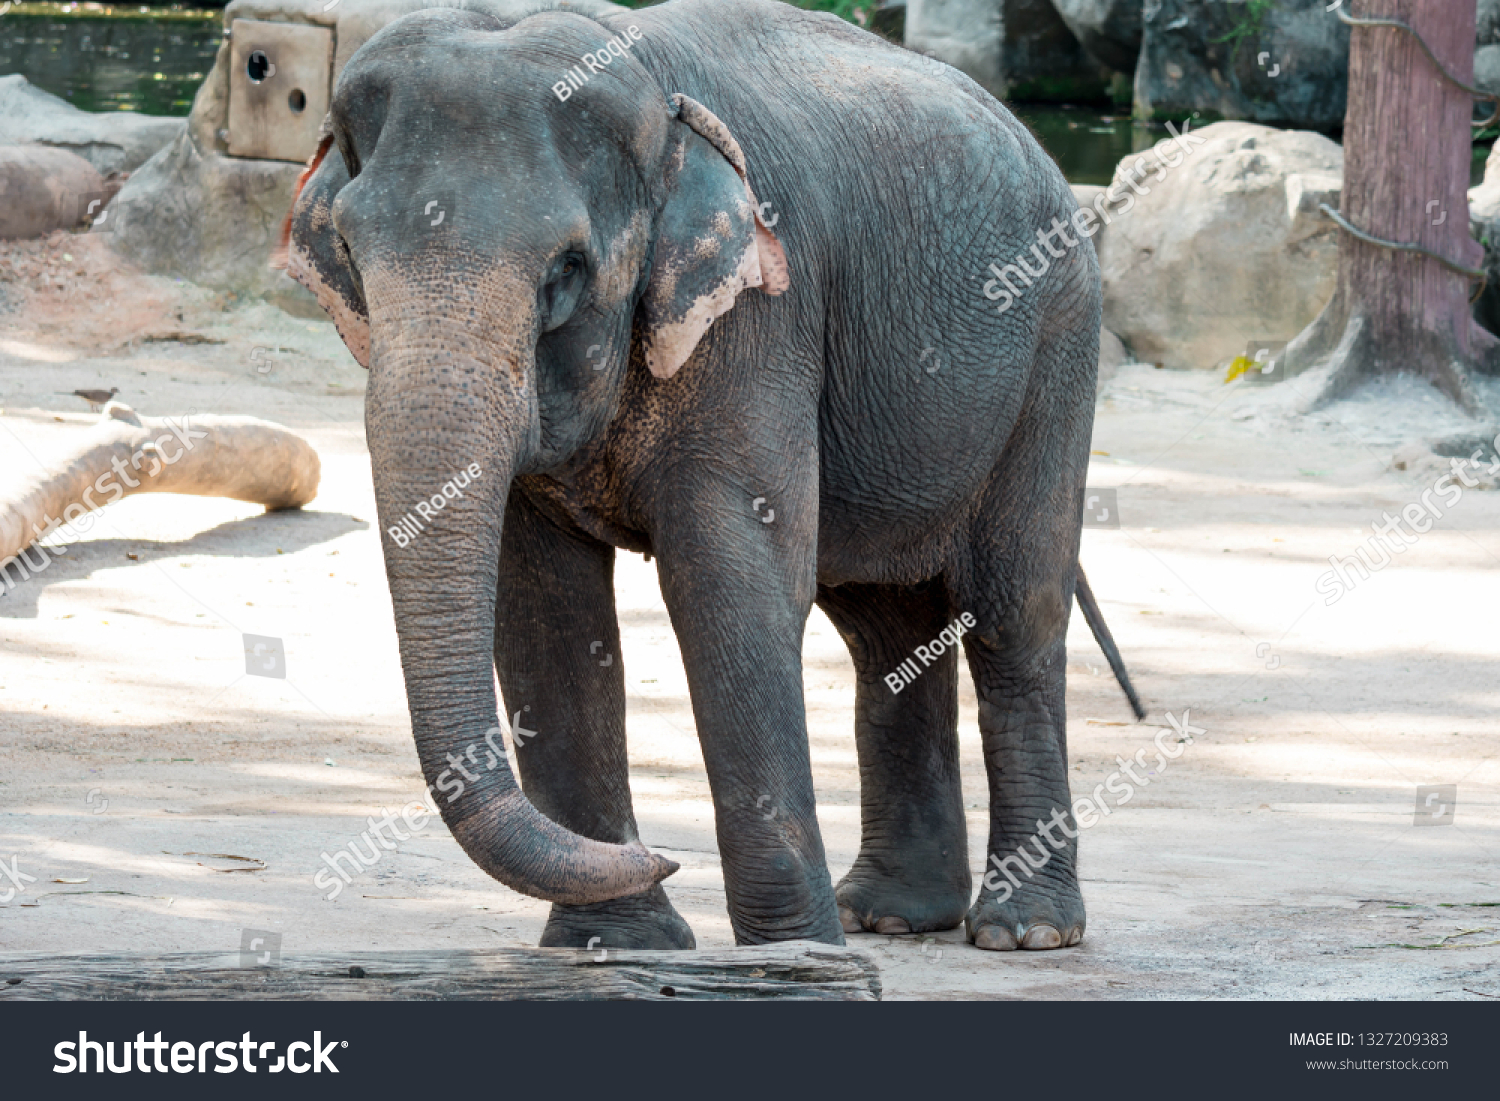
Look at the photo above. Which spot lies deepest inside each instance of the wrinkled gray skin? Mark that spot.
(923, 453)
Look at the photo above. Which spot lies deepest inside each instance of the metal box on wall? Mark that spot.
(280, 81)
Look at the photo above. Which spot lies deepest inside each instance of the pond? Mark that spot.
(103, 58)
(1086, 142)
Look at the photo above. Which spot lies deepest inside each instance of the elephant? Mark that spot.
(711, 282)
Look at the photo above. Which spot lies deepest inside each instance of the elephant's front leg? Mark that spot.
(557, 649)
(737, 567)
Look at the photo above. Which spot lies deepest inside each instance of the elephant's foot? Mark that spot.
(924, 901)
(1039, 914)
(645, 920)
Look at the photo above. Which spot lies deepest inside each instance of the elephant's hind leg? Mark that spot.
(557, 650)
(1017, 582)
(912, 874)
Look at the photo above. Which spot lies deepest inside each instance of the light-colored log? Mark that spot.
(211, 456)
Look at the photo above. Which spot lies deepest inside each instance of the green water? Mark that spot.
(112, 59)
(1086, 143)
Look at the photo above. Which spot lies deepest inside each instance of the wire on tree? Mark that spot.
(1380, 242)
(1477, 93)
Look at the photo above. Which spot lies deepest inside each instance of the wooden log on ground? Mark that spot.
(212, 456)
(798, 970)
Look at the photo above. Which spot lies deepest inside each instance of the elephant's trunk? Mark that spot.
(450, 403)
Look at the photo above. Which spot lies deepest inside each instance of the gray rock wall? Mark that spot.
(1289, 66)
(1015, 49)
(1109, 30)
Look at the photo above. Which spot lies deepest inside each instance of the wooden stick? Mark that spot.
(791, 970)
(212, 456)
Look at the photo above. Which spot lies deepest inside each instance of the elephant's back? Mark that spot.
(894, 183)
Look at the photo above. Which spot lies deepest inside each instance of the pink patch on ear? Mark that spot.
(775, 276)
(670, 346)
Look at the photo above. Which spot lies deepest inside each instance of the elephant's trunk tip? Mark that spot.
(659, 865)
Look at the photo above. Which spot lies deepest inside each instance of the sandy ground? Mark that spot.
(1278, 856)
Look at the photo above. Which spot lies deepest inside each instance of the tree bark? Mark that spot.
(1407, 145)
(794, 970)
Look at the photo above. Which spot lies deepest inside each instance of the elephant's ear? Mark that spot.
(711, 243)
(313, 253)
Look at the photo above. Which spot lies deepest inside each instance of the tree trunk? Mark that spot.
(1407, 147)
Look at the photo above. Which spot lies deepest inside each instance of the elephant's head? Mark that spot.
(490, 239)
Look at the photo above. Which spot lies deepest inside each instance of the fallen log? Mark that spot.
(797, 970)
(244, 458)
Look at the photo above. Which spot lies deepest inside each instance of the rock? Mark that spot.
(43, 189)
(1086, 194)
(1226, 248)
(1015, 49)
(1487, 75)
(1487, 23)
(211, 220)
(1112, 355)
(1286, 64)
(1476, 451)
(1484, 226)
(1110, 30)
(1487, 52)
(111, 141)
(196, 212)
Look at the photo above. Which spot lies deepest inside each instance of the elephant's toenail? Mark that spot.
(1042, 936)
(847, 919)
(891, 926)
(993, 938)
(1075, 936)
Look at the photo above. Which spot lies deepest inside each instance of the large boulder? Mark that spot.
(1109, 30)
(1015, 49)
(111, 141)
(42, 189)
(1226, 248)
(198, 211)
(1286, 64)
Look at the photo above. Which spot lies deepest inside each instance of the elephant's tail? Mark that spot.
(1106, 642)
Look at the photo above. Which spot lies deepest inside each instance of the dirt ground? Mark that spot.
(1278, 856)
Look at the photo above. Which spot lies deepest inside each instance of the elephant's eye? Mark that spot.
(561, 293)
